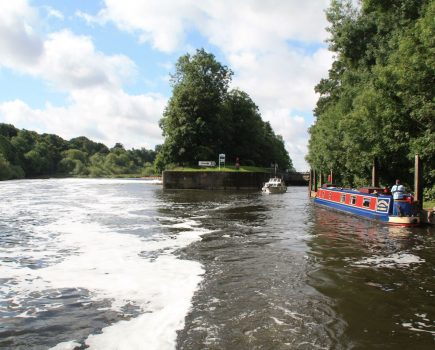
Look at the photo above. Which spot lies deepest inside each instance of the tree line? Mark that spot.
(27, 154)
(377, 103)
(204, 118)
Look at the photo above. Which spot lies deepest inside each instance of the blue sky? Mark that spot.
(101, 68)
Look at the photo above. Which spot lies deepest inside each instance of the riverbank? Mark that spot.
(227, 168)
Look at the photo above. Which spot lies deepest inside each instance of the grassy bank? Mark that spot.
(245, 169)
(428, 204)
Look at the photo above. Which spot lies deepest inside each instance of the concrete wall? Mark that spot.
(207, 180)
(296, 179)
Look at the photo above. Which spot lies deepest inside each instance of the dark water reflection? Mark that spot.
(283, 274)
(387, 302)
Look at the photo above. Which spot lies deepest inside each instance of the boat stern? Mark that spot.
(404, 220)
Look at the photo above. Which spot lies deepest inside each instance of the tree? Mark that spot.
(377, 102)
(5, 168)
(204, 119)
(191, 119)
(90, 147)
(8, 130)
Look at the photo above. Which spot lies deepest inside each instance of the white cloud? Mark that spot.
(162, 23)
(72, 62)
(232, 26)
(280, 79)
(20, 45)
(51, 12)
(98, 106)
(294, 130)
(66, 60)
(103, 115)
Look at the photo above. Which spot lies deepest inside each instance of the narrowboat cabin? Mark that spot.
(371, 203)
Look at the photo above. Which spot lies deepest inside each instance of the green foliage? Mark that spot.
(8, 130)
(429, 194)
(89, 147)
(241, 169)
(203, 119)
(9, 171)
(26, 153)
(378, 101)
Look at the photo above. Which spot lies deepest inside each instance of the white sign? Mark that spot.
(206, 163)
(221, 160)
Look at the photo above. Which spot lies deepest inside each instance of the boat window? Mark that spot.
(323, 194)
(330, 195)
(366, 202)
(343, 198)
(353, 200)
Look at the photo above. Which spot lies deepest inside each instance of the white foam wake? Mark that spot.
(390, 261)
(111, 265)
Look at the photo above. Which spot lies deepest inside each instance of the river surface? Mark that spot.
(123, 264)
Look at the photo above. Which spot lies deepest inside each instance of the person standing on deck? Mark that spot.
(398, 190)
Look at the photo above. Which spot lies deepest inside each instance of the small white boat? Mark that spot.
(274, 185)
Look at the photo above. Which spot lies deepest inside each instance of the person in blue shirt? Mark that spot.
(398, 190)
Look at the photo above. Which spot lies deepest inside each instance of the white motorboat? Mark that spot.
(274, 185)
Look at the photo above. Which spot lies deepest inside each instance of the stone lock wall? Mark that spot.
(207, 180)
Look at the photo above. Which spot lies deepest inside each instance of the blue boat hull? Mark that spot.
(353, 210)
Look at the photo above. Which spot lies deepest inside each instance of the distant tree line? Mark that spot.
(27, 154)
(204, 118)
(377, 104)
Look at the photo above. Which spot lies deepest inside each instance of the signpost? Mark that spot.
(206, 163)
(221, 160)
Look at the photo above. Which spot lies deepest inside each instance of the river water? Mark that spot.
(123, 264)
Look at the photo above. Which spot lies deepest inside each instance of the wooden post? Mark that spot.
(375, 175)
(315, 180)
(310, 183)
(418, 181)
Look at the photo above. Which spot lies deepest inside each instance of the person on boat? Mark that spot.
(398, 190)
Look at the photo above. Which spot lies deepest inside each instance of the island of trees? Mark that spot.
(203, 118)
(377, 104)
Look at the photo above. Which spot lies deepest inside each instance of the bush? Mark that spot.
(429, 194)
(248, 162)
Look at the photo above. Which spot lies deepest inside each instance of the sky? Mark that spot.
(101, 68)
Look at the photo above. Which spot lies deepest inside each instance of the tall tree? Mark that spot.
(378, 99)
(190, 122)
(203, 119)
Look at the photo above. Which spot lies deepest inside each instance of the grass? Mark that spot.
(227, 168)
(428, 204)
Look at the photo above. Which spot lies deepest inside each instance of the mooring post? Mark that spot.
(418, 181)
(310, 183)
(375, 176)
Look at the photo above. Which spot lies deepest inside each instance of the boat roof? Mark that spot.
(275, 179)
(355, 192)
